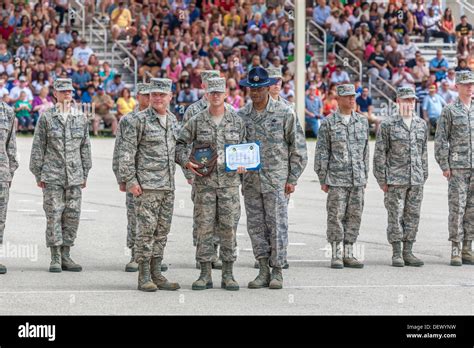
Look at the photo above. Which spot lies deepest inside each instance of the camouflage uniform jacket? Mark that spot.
(8, 159)
(454, 136)
(148, 151)
(201, 129)
(342, 151)
(61, 150)
(192, 110)
(118, 141)
(283, 154)
(401, 153)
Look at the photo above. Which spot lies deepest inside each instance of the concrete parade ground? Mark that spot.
(311, 287)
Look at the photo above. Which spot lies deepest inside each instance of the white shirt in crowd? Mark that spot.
(429, 21)
(3, 92)
(82, 54)
(408, 81)
(449, 96)
(15, 93)
(408, 51)
(285, 95)
(341, 29)
(331, 21)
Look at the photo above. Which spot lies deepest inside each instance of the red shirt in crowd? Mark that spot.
(225, 4)
(6, 32)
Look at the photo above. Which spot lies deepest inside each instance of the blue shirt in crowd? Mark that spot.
(320, 15)
(313, 106)
(439, 63)
(433, 104)
(364, 103)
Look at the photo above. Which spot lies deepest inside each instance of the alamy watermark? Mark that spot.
(25, 251)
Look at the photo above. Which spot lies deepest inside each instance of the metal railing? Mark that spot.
(436, 45)
(322, 41)
(309, 33)
(147, 74)
(384, 95)
(466, 5)
(78, 13)
(125, 61)
(101, 35)
(345, 60)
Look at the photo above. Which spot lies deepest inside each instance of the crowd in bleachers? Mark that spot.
(379, 34)
(180, 38)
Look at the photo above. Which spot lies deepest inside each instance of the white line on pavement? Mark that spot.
(286, 287)
(308, 260)
(297, 244)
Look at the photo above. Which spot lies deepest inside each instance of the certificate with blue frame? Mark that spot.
(246, 155)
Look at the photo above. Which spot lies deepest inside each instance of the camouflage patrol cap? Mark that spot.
(274, 73)
(143, 88)
(345, 90)
(159, 85)
(216, 85)
(406, 92)
(209, 74)
(63, 85)
(464, 77)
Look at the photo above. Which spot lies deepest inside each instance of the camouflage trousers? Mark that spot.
(403, 205)
(215, 212)
(344, 208)
(216, 237)
(4, 194)
(131, 220)
(461, 205)
(154, 211)
(62, 206)
(267, 224)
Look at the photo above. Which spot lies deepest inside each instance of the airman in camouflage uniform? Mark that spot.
(147, 166)
(143, 96)
(454, 153)
(216, 197)
(283, 158)
(274, 91)
(8, 165)
(342, 164)
(203, 103)
(191, 111)
(401, 169)
(275, 73)
(60, 161)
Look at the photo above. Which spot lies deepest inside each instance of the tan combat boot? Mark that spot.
(456, 259)
(467, 253)
(144, 278)
(67, 264)
(263, 277)
(349, 260)
(408, 257)
(205, 278)
(336, 258)
(228, 282)
(397, 260)
(276, 281)
(160, 281)
(55, 265)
